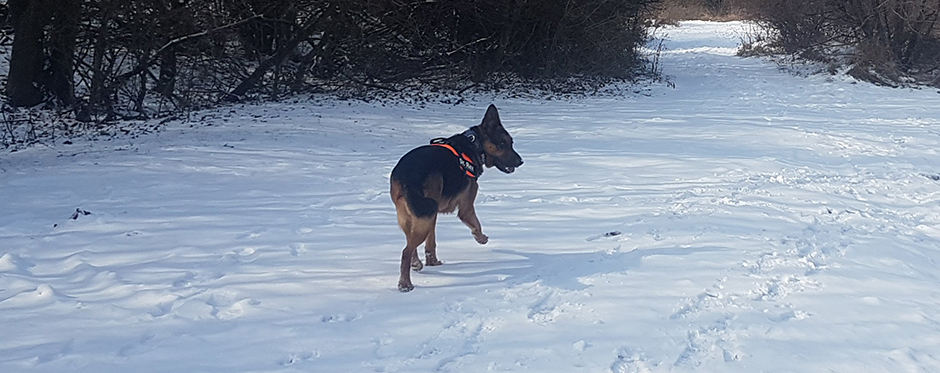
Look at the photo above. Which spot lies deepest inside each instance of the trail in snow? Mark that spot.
(747, 220)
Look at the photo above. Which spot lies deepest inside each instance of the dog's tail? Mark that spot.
(421, 206)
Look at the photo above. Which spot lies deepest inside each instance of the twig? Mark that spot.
(279, 56)
(467, 45)
(367, 84)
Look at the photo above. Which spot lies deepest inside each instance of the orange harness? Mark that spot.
(466, 164)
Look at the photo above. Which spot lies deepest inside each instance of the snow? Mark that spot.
(746, 220)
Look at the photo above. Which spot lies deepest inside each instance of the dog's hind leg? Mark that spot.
(434, 189)
(416, 264)
(418, 231)
(430, 246)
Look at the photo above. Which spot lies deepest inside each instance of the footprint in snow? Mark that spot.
(299, 357)
(630, 361)
(792, 315)
(242, 255)
(339, 318)
(706, 342)
(298, 248)
(235, 310)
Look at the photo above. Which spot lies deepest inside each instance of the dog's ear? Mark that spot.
(491, 119)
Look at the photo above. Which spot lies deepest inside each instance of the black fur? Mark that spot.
(414, 168)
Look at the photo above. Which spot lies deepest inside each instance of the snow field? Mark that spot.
(748, 220)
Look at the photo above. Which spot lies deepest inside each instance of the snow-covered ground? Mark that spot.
(747, 220)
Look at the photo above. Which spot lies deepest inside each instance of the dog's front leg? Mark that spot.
(430, 246)
(468, 215)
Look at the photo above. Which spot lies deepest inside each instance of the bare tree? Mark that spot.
(62, 35)
(24, 81)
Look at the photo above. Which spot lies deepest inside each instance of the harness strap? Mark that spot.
(471, 135)
(466, 167)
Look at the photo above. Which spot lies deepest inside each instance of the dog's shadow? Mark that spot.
(561, 271)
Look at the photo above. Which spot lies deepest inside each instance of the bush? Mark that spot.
(143, 57)
(887, 41)
(450, 43)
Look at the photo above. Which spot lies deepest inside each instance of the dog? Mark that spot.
(441, 177)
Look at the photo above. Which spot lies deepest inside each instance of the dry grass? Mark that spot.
(673, 11)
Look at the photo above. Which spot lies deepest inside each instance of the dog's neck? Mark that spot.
(466, 146)
(472, 135)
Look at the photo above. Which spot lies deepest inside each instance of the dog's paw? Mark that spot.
(481, 238)
(405, 287)
(417, 266)
(433, 262)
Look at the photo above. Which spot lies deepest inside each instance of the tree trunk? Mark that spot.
(98, 75)
(65, 16)
(25, 77)
(166, 83)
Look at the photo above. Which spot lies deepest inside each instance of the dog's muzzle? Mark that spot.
(508, 169)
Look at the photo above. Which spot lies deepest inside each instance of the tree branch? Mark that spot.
(279, 56)
(120, 79)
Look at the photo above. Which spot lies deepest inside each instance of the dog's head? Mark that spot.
(497, 144)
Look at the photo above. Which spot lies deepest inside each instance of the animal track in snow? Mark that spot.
(630, 361)
(242, 255)
(460, 337)
(779, 287)
(339, 318)
(200, 305)
(706, 342)
(713, 298)
(793, 314)
(298, 248)
(234, 310)
(299, 357)
(545, 314)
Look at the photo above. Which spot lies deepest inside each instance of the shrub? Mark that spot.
(142, 57)
(888, 41)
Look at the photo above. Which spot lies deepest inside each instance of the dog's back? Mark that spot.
(416, 168)
(425, 165)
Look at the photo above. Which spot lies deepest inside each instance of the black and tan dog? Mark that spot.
(442, 177)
